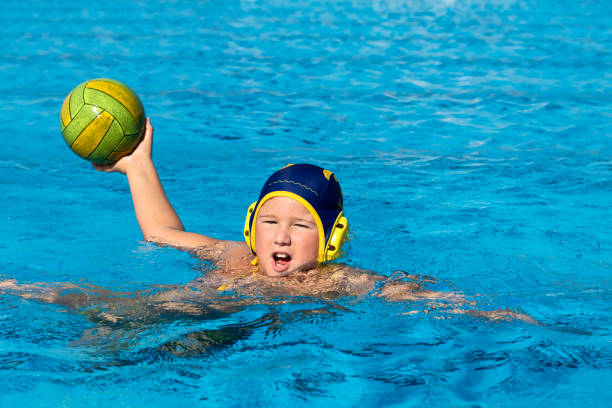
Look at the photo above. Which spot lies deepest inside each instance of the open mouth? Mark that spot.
(281, 259)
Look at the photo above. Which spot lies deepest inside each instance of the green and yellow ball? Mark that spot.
(102, 120)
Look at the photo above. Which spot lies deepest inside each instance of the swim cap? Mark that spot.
(316, 189)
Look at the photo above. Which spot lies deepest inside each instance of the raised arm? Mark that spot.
(156, 217)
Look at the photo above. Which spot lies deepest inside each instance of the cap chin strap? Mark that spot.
(327, 251)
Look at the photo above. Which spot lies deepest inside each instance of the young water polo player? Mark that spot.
(296, 224)
(295, 227)
(291, 232)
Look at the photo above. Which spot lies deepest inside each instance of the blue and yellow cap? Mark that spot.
(316, 189)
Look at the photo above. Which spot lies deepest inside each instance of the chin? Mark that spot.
(272, 273)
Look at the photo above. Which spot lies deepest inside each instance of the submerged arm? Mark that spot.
(65, 294)
(104, 305)
(405, 287)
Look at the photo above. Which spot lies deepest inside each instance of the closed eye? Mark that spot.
(300, 225)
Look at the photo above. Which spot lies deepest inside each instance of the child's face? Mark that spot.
(286, 237)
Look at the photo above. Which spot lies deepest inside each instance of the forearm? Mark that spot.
(151, 205)
(157, 219)
(65, 294)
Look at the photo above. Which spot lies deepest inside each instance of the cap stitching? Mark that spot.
(294, 182)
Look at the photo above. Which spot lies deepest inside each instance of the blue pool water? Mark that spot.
(473, 143)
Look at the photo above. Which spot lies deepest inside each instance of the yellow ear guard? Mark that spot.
(247, 229)
(337, 238)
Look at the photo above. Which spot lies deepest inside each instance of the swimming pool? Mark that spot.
(472, 141)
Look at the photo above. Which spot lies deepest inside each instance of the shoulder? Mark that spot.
(224, 251)
(355, 281)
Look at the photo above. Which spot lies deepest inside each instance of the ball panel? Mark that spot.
(123, 94)
(128, 143)
(112, 106)
(76, 99)
(90, 137)
(80, 120)
(108, 145)
(65, 113)
(116, 155)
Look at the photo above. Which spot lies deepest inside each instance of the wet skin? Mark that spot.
(286, 237)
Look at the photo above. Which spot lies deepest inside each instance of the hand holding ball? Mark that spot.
(102, 120)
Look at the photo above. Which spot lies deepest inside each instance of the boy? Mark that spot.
(291, 231)
(296, 224)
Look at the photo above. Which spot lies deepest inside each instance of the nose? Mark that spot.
(282, 236)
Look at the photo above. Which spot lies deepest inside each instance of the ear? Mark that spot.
(247, 227)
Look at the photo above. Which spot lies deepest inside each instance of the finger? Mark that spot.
(148, 129)
(8, 284)
(102, 167)
(146, 144)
